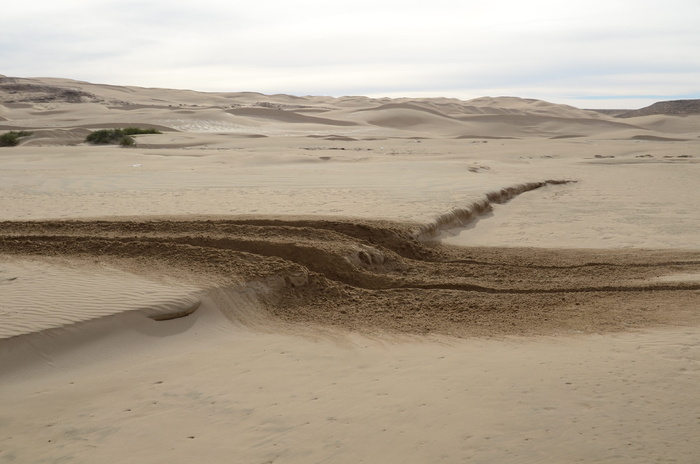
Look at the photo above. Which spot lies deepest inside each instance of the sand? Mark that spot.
(312, 279)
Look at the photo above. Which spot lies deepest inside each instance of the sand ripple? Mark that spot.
(39, 295)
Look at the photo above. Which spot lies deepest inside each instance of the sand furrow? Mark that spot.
(341, 274)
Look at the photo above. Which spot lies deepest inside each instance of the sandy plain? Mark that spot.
(312, 279)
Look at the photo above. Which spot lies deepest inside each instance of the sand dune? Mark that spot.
(80, 295)
(508, 116)
(280, 115)
(280, 278)
(409, 117)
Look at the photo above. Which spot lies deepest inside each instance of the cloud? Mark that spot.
(539, 49)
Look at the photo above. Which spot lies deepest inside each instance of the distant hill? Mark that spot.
(673, 107)
(75, 106)
(16, 90)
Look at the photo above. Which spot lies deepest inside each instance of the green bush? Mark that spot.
(121, 136)
(11, 139)
(127, 141)
(103, 136)
(139, 131)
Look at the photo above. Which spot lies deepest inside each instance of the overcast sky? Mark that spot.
(597, 53)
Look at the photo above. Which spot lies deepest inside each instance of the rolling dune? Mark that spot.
(487, 116)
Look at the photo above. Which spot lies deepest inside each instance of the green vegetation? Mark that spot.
(121, 136)
(11, 139)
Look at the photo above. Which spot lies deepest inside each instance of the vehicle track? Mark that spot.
(377, 276)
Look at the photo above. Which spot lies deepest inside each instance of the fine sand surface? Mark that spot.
(313, 279)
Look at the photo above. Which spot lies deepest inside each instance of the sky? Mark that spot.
(592, 54)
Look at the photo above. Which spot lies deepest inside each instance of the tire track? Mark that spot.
(373, 275)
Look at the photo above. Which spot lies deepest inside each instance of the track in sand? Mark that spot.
(374, 276)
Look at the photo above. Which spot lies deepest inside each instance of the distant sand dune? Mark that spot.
(112, 105)
(287, 116)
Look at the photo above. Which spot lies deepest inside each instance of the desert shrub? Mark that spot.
(127, 141)
(121, 136)
(139, 131)
(103, 136)
(11, 139)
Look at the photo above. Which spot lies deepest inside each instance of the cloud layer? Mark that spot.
(593, 54)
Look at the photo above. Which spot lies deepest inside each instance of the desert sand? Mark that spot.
(312, 279)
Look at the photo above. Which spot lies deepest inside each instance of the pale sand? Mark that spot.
(345, 349)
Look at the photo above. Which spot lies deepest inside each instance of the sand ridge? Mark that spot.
(366, 276)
